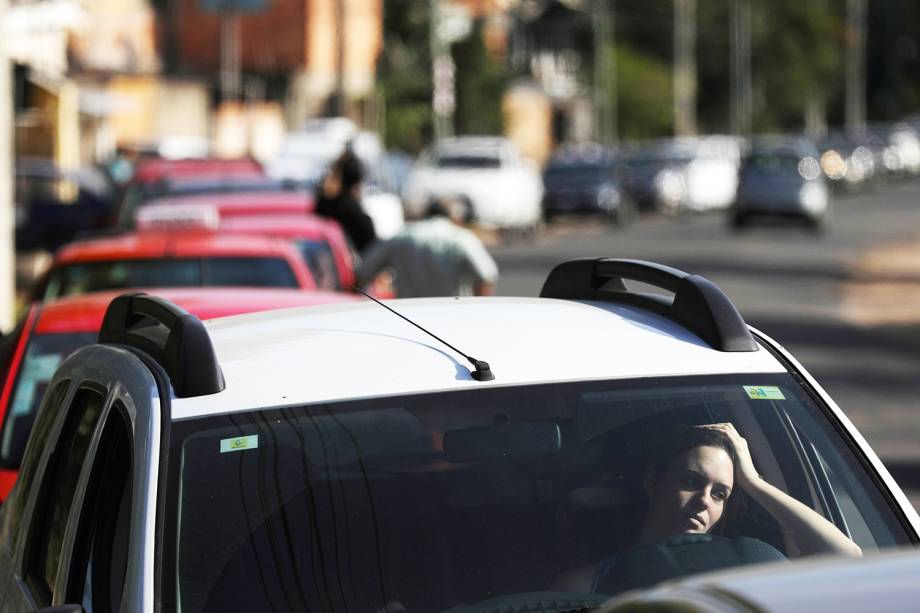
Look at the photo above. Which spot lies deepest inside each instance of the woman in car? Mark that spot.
(690, 494)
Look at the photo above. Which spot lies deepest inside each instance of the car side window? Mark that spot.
(46, 535)
(100, 555)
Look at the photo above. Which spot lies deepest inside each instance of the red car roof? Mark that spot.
(156, 244)
(244, 203)
(84, 313)
(288, 226)
(155, 169)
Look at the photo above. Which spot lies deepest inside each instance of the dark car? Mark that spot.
(579, 183)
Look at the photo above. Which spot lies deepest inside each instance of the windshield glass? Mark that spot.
(70, 280)
(45, 352)
(438, 500)
(461, 160)
(319, 258)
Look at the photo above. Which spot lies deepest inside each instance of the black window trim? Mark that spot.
(114, 409)
(30, 544)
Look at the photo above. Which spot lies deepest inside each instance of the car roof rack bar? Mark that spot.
(175, 338)
(698, 304)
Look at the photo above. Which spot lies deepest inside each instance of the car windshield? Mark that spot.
(464, 160)
(576, 173)
(319, 258)
(772, 164)
(45, 352)
(73, 279)
(444, 500)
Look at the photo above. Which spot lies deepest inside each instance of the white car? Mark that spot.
(500, 188)
(343, 457)
(307, 154)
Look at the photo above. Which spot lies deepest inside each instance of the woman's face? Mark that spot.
(692, 494)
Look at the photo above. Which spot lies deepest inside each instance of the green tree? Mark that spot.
(480, 81)
(405, 75)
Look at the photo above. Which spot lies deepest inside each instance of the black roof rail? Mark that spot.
(698, 304)
(175, 338)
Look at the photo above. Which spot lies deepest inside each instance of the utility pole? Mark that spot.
(856, 67)
(442, 74)
(741, 81)
(605, 73)
(230, 80)
(7, 230)
(685, 67)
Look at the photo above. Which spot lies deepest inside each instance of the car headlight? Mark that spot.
(670, 186)
(813, 197)
(608, 197)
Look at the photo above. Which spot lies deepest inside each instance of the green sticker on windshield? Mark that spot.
(764, 392)
(239, 443)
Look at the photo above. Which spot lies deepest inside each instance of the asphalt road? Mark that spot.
(795, 286)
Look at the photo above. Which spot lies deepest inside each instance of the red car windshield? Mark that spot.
(45, 352)
(73, 279)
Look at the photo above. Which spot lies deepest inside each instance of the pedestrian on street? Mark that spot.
(433, 257)
(339, 198)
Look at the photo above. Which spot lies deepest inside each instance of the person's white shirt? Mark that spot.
(432, 257)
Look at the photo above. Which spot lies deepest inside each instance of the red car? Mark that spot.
(151, 170)
(227, 205)
(152, 177)
(174, 259)
(50, 331)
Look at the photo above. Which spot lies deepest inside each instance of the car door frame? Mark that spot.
(123, 376)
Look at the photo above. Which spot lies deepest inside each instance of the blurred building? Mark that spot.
(316, 57)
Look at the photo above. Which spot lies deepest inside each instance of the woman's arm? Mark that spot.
(811, 532)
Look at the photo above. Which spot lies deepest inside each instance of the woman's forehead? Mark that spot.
(713, 462)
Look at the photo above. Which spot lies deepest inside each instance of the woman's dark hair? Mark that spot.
(684, 438)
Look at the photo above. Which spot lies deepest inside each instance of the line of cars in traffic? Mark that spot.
(768, 176)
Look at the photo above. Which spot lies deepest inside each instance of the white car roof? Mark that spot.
(352, 351)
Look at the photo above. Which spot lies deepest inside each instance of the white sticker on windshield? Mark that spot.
(764, 392)
(239, 443)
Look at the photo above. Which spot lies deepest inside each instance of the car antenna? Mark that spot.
(482, 372)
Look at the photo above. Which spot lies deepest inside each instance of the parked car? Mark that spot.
(782, 178)
(50, 331)
(53, 205)
(307, 154)
(499, 187)
(339, 457)
(183, 209)
(321, 241)
(678, 175)
(884, 581)
(155, 176)
(173, 259)
(585, 181)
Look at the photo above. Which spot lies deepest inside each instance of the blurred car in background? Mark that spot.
(53, 205)
(686, 174)
(582, 180)
(901, 155)
(852, 162)
(306, 155)
(50, 331)
(498, 186)
(173, 259)
(781, 178)
(158, 178)
(159, 211)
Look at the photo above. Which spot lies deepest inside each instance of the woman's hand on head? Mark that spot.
(745, 473)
